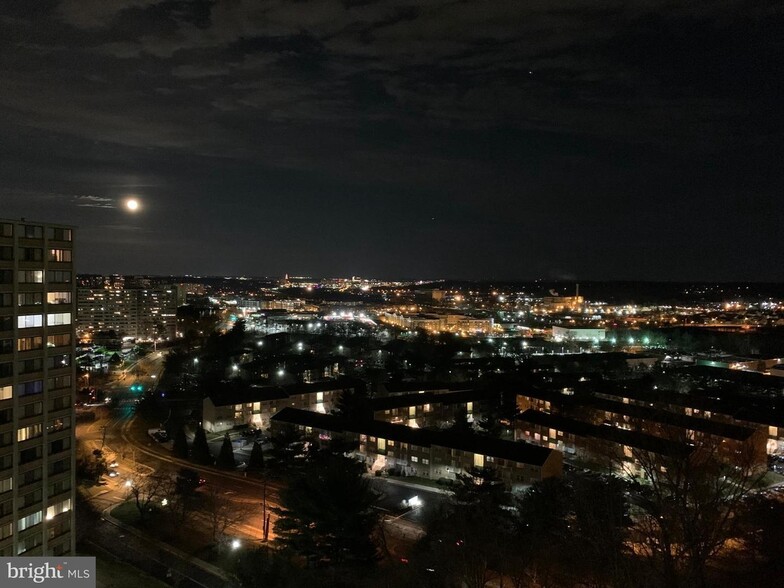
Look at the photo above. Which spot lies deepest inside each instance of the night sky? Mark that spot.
(490, 139)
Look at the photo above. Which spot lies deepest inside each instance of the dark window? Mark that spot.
(32, 254)
(33, 231)
(58, 234)
(6, 253)
(28, 455)
(30, 298)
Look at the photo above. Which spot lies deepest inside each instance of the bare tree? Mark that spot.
(688, 502)
(145, 490)
(222, 513)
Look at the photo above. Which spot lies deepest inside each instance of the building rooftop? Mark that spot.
(513, 450)
(250, 394)
(607, 433)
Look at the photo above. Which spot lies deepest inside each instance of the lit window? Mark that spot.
(29, 521)
(58, 297)
(29, 432)
(58, 508)
(58, 318)
(60, 255)
(30, 277)
(28, 321)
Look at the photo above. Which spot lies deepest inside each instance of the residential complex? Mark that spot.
(256, 405)
(430, 453)
(132, 310)
(36, 389)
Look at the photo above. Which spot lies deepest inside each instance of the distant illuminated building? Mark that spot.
(578, 334)
(137, 312)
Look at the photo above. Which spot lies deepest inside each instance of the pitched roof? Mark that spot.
(517, 451)
(620, 436)
(227, 397)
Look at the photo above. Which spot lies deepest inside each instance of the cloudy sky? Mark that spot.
(585, 139)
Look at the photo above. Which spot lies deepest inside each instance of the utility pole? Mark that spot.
(264, 529)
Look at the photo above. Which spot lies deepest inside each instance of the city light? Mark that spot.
(236, 544)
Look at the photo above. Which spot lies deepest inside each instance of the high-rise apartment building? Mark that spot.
(37, 462)
(131, 311)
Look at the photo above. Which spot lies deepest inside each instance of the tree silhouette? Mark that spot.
(200, 450)
(326, 512)
(180, 444)
(256, 460)
(226, 456)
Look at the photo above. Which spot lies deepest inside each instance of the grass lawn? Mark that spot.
(127, 513)
(771, 478)
(115, 574)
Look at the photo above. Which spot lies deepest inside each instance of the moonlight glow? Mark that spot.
(132, 204)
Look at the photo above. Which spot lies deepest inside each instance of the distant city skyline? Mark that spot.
(458, 140)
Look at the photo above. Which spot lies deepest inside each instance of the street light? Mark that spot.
(235, 544)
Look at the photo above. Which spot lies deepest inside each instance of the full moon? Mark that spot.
(132, 204)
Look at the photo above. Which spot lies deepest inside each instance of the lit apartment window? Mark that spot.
(58, 318)
(29, 521)
(414, 459)
(30, 277)
(425, 461)
(6, 485)
(27, 321)
(29, 343)
(6, 392)
(60, 255)
(58, 297)
(58, 508)
(29, 432)
(6, 531)
(59, 424)
(58, 340)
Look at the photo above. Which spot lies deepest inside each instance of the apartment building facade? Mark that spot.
(256, 405)
(37, 463)
(148, 313)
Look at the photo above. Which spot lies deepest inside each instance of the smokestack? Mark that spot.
(577, 290)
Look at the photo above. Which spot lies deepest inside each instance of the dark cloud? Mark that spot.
(93, 202)
(593, 137)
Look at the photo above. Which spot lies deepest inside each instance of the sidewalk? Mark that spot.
(172, 551)
(403, 482)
